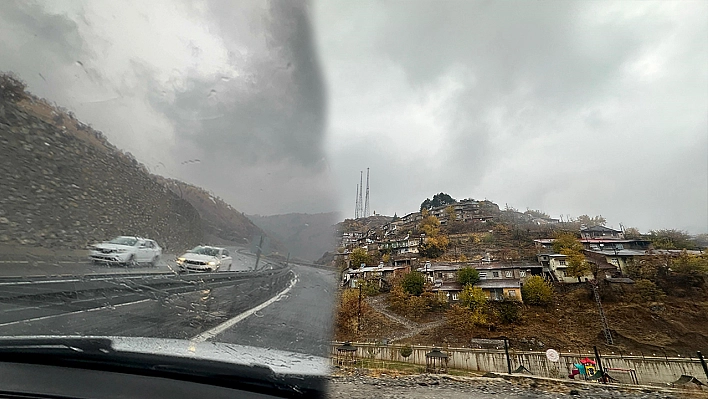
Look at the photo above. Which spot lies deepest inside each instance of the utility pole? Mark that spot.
(506, 351)
(358, 313)
(599, 365)
(703, 363)
(258, 252)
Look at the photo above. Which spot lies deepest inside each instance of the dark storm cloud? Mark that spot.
(263, 129)
(236, 85)
(276, 110)
(41, 48)
(570, 107)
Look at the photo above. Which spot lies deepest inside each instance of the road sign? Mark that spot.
(552, 355)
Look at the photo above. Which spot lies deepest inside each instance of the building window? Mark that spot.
(482, 274)
(509, 274)
(454, 296)
(512, 293)
(495, 274)
(614, 261)
(561, 262)
(522, 273)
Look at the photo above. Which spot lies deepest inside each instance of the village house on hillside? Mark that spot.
(600, 232)
(467, 210)
(606, 249)
(406, 245)
(381, 274)
(497, 280)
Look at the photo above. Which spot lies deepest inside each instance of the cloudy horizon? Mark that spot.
(571, 108)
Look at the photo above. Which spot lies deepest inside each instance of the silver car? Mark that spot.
(205, 259)
(126, 250)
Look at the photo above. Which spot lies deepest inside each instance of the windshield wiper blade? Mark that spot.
(55, 345)
(98, 354)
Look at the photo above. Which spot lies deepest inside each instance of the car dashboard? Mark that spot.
(95, 368)
(45, 381)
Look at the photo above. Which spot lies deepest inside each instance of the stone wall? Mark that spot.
(59, 191)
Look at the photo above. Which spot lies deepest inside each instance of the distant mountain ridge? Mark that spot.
(305, 236)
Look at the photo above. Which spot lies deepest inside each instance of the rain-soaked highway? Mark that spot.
(274, 307)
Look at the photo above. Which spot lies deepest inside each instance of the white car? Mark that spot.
(205, 259)
(129, 251)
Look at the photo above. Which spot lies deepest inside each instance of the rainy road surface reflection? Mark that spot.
(160, 302)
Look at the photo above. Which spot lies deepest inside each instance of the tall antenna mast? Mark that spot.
(366, 204)
(356, 207)
(360, 208)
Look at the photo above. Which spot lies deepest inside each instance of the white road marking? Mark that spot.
(42, 262)
(124, 276)
(209, 334)
(74, 312)
(41, 282)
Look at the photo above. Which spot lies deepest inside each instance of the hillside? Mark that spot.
(64, 185)
(220, 221)
(362, 224)
(674, 326)
(305, 236)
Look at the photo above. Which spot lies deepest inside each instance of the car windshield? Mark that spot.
(435, 183)
(205, 251)
(184, 126)
(129, 241)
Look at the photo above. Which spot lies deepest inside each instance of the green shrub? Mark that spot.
(413, 283)
(468, 276)
(370, 287)
(406, 351)
(537, 291)
(647, 291)
(473, 298)
(508, 310)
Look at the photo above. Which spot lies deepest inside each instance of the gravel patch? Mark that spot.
(453, 387)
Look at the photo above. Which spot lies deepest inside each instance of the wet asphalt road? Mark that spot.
(157, 302)
(300, 322)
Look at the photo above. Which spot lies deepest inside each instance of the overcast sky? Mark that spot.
(568, 107)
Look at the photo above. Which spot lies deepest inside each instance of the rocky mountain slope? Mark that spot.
(63, 185)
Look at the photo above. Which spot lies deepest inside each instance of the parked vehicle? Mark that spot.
(205, 258)
(126, 250)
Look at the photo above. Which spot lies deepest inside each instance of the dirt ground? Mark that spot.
(677, 326)
(391, 386)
